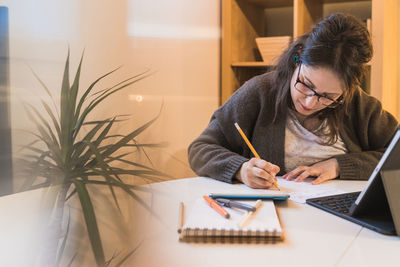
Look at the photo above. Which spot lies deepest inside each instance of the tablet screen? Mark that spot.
(386, 162)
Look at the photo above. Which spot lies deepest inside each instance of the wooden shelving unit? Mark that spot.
(249, 64)
(244, 20)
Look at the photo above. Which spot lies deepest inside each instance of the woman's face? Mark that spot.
(314, 88)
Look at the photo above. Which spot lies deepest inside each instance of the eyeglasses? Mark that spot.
(307, 91)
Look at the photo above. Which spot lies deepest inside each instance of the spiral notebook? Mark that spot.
(204, 224)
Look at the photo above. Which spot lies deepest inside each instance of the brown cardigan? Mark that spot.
(220, 151)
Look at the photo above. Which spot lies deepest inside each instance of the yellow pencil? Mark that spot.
(251, 148)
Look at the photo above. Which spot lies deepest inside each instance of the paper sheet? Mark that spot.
(202, 216)
(300, 191)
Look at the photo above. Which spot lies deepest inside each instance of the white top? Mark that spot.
(303, 148)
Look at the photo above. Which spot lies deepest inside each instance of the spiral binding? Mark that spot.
(198, 235)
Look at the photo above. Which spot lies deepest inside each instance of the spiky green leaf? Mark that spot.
(91, 222)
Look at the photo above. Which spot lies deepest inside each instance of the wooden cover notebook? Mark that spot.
(204, 224)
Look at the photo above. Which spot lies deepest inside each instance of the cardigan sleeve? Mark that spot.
(210, 154)
(219, 151)
(367, 132)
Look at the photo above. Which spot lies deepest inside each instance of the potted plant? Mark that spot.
(66, 159)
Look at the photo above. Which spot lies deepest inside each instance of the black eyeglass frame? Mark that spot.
(334, 103)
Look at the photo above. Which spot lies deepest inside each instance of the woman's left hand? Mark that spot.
(323, 170)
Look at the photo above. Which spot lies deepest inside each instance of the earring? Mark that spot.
(296, 59)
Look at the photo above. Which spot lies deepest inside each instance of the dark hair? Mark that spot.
(339, 42)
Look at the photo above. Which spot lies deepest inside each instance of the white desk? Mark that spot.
(19, 225)
(312, 236)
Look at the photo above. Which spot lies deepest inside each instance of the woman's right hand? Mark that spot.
(257, 173)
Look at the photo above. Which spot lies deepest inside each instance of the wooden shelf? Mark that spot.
(288, 3)
(250, 64)
(258, 64)
(245, 20)
(271, 3)
(343, 1)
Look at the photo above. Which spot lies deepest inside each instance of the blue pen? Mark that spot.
(233, 204)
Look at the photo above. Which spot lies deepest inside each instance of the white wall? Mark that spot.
(177, 39)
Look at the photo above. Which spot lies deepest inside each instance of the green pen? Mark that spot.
(274, 196)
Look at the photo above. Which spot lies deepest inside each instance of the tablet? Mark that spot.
(377, 206)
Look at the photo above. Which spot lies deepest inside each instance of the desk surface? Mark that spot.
(312, 237)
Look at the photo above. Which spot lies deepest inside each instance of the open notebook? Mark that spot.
(204, 224)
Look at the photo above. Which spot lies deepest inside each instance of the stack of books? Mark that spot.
(272, 47)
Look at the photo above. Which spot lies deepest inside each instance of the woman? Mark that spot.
(306, 118)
